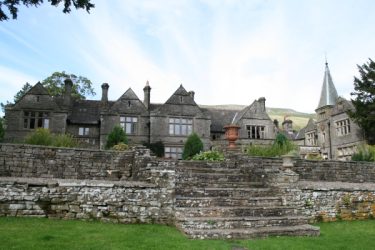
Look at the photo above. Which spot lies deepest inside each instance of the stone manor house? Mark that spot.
(333, 135)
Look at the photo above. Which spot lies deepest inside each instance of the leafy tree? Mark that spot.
(55, 85)
(364, 100)
(12, 6)
(116, 136)
(2, 130)
(193, 146)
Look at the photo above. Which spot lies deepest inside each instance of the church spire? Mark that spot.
(328, 94)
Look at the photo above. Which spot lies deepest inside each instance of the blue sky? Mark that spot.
(274, 49)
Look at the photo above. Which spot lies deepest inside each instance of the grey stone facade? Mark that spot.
(334, 135)
(91, 121)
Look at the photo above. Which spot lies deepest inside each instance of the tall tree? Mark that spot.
(12, 6)
(54, 84)
(82, 86)
(364, 100)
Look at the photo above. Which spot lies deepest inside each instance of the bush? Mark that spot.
(156, 147)
(44, 137)
(193, 146)
(281, 146)
(40, 136)
(120, 147)
(65, 140)
(364, 153)
(116, 136)
(211, 155)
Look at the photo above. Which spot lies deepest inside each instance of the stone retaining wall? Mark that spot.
(18, 160)
(331, 201)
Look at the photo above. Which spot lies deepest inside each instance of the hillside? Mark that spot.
(299, 119)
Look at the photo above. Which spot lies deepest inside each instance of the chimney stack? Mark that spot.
(147, 95)
(262, 102)
(68, 91)
(105, 87)
(192, 94)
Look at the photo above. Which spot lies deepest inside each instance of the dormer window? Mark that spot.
(129, 103)
(181, 99)
(37, 98)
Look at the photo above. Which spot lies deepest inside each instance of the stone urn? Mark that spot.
(231, 134)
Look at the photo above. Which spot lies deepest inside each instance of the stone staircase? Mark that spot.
(219, 200)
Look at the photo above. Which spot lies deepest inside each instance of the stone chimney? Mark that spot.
(68, 91)
(192, 93)
(105, 87)
(262, 102)
(147, 95)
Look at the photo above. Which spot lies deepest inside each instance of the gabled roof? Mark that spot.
(181, 103)
(328, 93)
(342, 106)
(253, 111)
(128, 103)
(38, 89)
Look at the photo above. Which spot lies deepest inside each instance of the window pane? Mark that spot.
(171, 129)
(40, 123)
(32, 123)
(128, 119)
(190, 129)
(25, 123)
(177, 130)
(128, 128)
(135, 119)
(80, 131)
(46, 123)
(87, 131)
(122, 119)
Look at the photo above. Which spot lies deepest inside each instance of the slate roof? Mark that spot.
(253, 111)
(128, 103)
(220, 118)
(309, 127)
(85, 112)
(328, 93)
(180, 104)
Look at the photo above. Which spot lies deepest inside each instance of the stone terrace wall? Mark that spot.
(335, 171)
(331, 201)
(17, 160)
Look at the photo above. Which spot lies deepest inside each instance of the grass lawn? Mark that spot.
(33, 233)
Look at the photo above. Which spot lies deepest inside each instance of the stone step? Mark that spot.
(299, 230)
(235, 211)
(214, 178)
(219, 184)
(227, 201)
(239, 222)
(223, 192)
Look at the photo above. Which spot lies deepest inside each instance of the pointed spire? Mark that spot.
(328, 94)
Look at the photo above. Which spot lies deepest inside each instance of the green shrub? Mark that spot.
(120, 147)
(44, 137)
(65, 140)
(193, 146)
(314, 157)
(156, 147)
(364, 153)
(281, 146)
(40, 136)
(116, 136)
(209, 156)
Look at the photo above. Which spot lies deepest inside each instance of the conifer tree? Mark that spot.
(193, 146)
(364, 100)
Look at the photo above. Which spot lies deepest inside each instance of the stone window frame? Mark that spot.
(174, 152)
(36, 119)
(180, 126)
(129, 124)
(343, 127)
(256, 131)
(83, 131)
(311, 138)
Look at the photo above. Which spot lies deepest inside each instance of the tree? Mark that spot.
(12, 6)
(364, 101)
(81, 85)
(193, 146)
(116, 136)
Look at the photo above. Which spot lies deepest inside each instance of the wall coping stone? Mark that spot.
(337, 185)
(75, 182)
